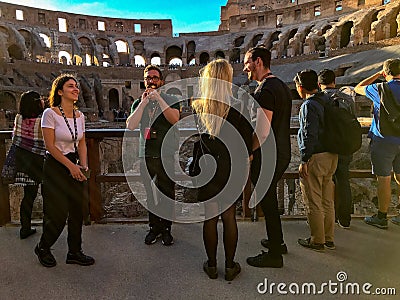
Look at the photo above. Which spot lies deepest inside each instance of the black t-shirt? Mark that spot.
(160, 125)
(274, 95)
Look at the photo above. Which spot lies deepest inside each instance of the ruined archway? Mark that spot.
(173, 52)
(274, 37)
(113, 99)
(235, 56)
(174, 91)
(87, 50)
(8, 101)
(155, 59)
(256, 39)
(239, 41)
(139, 61)
(15, 52)
(190, 51)
(138, 47)
(123, 52)
(345, 34)
(204, 58)
(219, 54)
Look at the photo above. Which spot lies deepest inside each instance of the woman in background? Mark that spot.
(63, 129)
(215, 108)
(29, 153)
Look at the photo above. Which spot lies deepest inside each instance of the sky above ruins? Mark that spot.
(187, 16)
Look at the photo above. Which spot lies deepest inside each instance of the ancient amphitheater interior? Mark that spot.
(353, 37)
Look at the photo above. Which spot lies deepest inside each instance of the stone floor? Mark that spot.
(126, 268)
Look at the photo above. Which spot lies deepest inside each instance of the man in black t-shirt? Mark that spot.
(275, 101)
(156, 113)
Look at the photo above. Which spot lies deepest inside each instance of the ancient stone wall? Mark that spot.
(109, 63)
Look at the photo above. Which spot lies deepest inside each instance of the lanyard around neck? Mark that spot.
(74, 137)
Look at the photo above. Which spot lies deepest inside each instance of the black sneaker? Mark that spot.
(231, 273)
(330, 245)
(23, 234)
(266, 243)
(79, 258)
(45, 257)
(212, 272)
(265, 260)
(152, 237)
(166, 237)
(344, 225)
(307, 243)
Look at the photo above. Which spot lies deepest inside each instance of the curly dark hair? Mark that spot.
(58, 83)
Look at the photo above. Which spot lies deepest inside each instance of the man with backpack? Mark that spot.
(317, 164)
(343, 198)
(384, 134)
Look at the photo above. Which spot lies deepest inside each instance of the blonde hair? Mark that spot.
(215, 93)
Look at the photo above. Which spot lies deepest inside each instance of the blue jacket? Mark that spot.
(311, 119)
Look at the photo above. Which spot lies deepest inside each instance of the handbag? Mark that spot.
(9, 170)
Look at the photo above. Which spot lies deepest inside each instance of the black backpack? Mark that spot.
(342, 131)
(389, 112)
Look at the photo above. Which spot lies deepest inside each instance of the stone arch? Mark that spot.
(274, 37)
(103, 51)
(190, 51)
(219, 54)
(8, 101)
(256, 39)
(139, 61)
(87, 50)
(326, 28)
(174, 91)
(155, 59)
(239, 41)
(138, 47)
(15, 52)
(123, 52)
(286, 40)
(64, 58)
(173, 52)
(345, 34)
(235, 55)
(113, 99)
(204, 58)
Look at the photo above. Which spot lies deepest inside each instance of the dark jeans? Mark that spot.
(62, 201)
(25, 211)
(166, 185)
(31, 164)
(343, 198)
(269, 203)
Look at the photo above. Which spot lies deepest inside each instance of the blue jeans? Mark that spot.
(343, 198)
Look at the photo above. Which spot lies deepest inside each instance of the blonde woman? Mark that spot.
(214, 111)
(63, 173)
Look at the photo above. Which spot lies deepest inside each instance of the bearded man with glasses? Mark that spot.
(155, 113)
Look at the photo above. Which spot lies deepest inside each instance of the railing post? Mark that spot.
(5, 214)
(95, 199)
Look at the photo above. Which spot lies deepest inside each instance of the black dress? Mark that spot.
(220, 153)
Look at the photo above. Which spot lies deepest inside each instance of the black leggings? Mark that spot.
(62, 200)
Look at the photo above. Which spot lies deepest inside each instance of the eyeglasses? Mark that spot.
(152, 78)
